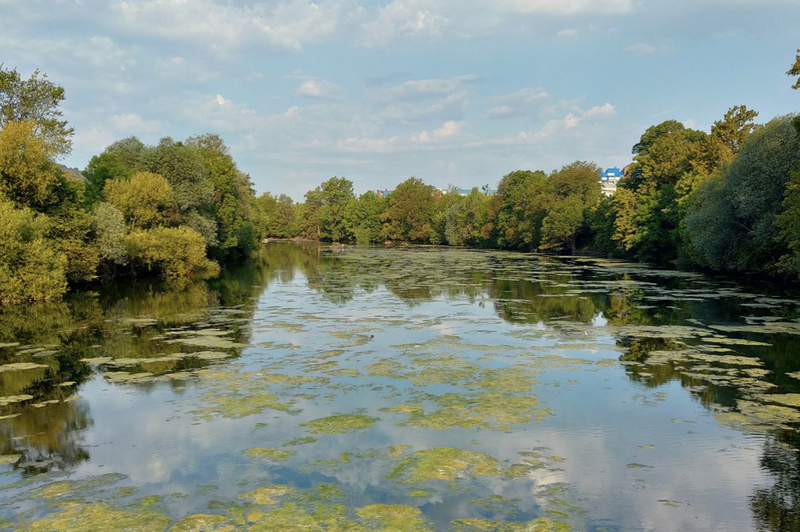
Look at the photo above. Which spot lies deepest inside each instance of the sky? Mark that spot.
(455, 92)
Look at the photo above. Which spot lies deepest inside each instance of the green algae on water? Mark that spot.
(443, 463)
(97, 517)
(267, 495)
(270, 453)
(340, 424)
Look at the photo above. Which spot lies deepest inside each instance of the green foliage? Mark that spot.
(732, 224)
(27, 171)
(795, 71)
(233, 200)
(465, 219)
(31, 269)
(100, 169)
(734, 128)
(572, 193)
(788, 223)
(362, 218)
(409, 211)
(275, 217)
(144, 200)
(334, 195)
(182, 166)
(172, 251)
(522, 210)
(562, 223)
(110, 229)
(35, 100)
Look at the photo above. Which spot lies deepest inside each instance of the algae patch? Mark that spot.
(340, 424)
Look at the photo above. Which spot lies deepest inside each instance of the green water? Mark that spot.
(407, 389)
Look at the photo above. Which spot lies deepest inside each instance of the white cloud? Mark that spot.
(319, 89)
(450, 135)
(568, 32)
(601, 110)
(289, 24)
(452, 105)
(419, 88)
(501, 111)
(403, 18)
(129, 124)
(641, 49)
(566, 7)
(520, 103)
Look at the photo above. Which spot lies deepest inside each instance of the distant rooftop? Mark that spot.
(611, 173)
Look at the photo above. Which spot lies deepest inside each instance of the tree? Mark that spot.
(795, 71)
(362, 218)
(734, 128)
(173, 251)
(522, 196)
(145, 199)
(182, 166)
(335, 194)
(571, 193)
(110, 229)
(100, 169)
(734, 224)
(561, 225)
(35, 100)
(31, 268)
(233, 197)
(27, 171)
(408, 214)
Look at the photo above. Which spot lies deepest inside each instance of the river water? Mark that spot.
(405, 389)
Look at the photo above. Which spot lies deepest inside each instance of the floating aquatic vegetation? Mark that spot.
(12, 399)
(733, 341)
(394, 518)
(443, 463)
(300, 441)
(232, 404)
(203, 523)
(21, 366)
(270, 453)
(267, 495)
(97, 517)
(543, 524)
(340, 424)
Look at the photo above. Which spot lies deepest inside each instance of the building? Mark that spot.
(609, 179)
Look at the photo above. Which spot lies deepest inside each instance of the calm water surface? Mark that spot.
(410, 389)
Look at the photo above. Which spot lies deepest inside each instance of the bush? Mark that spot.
(173, 251)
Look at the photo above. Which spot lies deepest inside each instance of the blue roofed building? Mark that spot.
(609, 179)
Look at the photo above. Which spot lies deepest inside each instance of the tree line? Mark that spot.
(727, 200)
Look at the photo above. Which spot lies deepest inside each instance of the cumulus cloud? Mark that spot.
(319, 89)
(288, 24)
(403, 18)
(450, 135)
(130, 124)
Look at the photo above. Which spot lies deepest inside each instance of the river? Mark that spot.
(405, 389)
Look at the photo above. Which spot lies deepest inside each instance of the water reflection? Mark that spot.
(303, 332)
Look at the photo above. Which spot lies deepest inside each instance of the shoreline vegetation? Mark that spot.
(726, 201)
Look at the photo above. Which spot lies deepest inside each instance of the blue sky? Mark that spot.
(451, 91)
